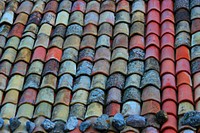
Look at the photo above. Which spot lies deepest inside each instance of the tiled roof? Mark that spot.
(87, 58)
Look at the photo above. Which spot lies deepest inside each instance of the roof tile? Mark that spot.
(185, 94)
(51, 67)
(133, 81)
(67, 67)
(43, 109)
(194, 3)
(137, 28)
(183, 38)
(36, 67)
(138, 17)
(131, 93)
(136, 54)
(136, 67)
(19, 68)
(118, 65)
(121, 28)
(74, 29)
(182, 52)
(90, 29)
(98, 81)
(32, 81)
(79, 5)
(185, 107)
(130, 108)
(112, 109)
(76, 18)
(21, 18)
(150, 107)
(167, 53)
(39, 54)
(70, 54)
(167, 66)
(59, 114)
(7, 17)
(153, 5)
(195, 13)
(181, 4)
(63, 97)
(138, 5)
(153, 15)
(101, 66)
(182, 15)
(51, 7)
(137, 41)
(25, 7)
(197, 94)
(170, 124)
(96, 95)
(105, 29)
(152, 64)
(91, 18)
(49, 80)
(25, 110)
(183, 78)
(151, 93)
(35, 18)
(122, 16)
(167, 27)
(65, 81)
(107, 17)
(65, 5)
(123, 5)
(115, 80)
(94, 109)
(168, 80)
(80, 96)
(89, 41)
(16, 82)
(82, 82)
(93, 6)
(38, 7)
(11, 97)
(169, 94)
(72, 41)
(114, 95)
(120, 53)
(170, 107)
(120, 40)
(108, 5)
(5, 67)
(183, 65)
(167, 39)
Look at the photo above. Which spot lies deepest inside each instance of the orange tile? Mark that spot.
(169, 94)
(184, 78)
(137, 41)
(182, 52)
(54, 53)
(150, 107)
(168, 80)
(112, 109)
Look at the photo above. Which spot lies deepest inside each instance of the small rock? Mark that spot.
(161, 117)
(71, 124)
(14, 124)
(85, 125)
(1, 123)
(59, 127)
(48, 125)
(136, 121)
(118, 122)
(102, 122)
(30, 126)
(191, 118)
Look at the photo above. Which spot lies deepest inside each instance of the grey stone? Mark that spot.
(85, 125)
(161, 117)
(136, 121)
(191, 118)
(96, 95)
(71, 124)
(48, 125)
(1, 123)
(102, 122)
(59, 127)
(30, 126)
(14, 124)
(118, 122)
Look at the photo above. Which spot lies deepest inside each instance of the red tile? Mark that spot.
(170, 107)
(29, 96)
(197, 94)
(171, 123)
(185, 93)
(79, 5)
(167, 53)
(183, 65)
(168, 80)
(169, 130)
(152, 39)
(39, 54)
(167, 66)
(167, 5)
(137, 41)
(150, 107)
(167, 27)
(112, 109)
(17, 31)
(169, 94)
(152, 51)
(167, 40)
(153, 15)
(54, 53)
(123, 5)
(167, 15)
(153, 28)
(196, 79)
(153, 4)
(184, 78)
(182, 52)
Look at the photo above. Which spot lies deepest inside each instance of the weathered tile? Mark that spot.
(137, 41)
(43, 109)
(8, 17)
(168, 80)
(94, 109)
(107, 17)
(101, 67)
(21, 18)
(136, 54)
(90, 29)
(138, 5)
(65, 81)
(27, 40)
(150, 107)
(13, 42)
(151, 93)
(31, 28)
(105, 29)
(25, 7)
(24, 55)
(45, 95)
(195, 66)
(62, 18)
(63, 97)
(35, 67)
(8, 111)
(130, 94)
(119, 65)
(38, 121)
(76, 18)
(195, 13)
(138, 17)
(112, 109)
(103, 40)
(42, 40)
(121, 28)
(79, 6)
(19, 68)
(183, 38)
(51, 7)
(136, 67)
(184, 107)
(151, 120)
(88, 41)
(154, 80)
(45, 29)
(65, 5)
(5, 67)
(194, 3)
(73, 41)
(54, 53)
(78, 110)
(122, 16)
(115, 80)
(91, 18)
(114, 95)
(133, 80)
(70, 54)
(137, 28)
(108, 6)
(32, 81)
(181, 4)
(49, 80)
(11, 96)
(82, 82)
(2, 41)
(93, 6)
(119, 53)
(80, 96)
(25, 110)
(182, 15)
(182, 26)
(67, 67)
(96, 95)
(28, 96)
(16, 82)
(184, 78)
(9, 55)
(74, 29)
(123, 5)
(56, 42)
(60, 112)
(16, 30)
(59, 31)
(38, 7)
(35, 18)
(84, 68)
(98, 81)
(131, 108)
